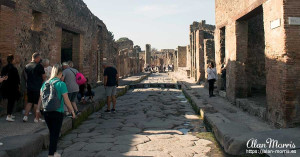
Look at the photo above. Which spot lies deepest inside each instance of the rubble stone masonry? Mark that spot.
(181, 59)
(29, 26)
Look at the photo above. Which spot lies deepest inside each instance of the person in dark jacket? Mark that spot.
(10, 87)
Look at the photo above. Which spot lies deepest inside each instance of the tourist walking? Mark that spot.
(47, 67)
(211, 77)
(53, 106)
(69, 77)
(10, 87)
(35, 76)
(111, 82)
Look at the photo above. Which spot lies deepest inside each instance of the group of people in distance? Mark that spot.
(39, 76)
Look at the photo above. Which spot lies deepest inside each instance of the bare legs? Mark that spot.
(113, 100)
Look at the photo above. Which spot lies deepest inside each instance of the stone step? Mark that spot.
(252, 108)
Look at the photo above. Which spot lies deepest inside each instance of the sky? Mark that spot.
(162, 23)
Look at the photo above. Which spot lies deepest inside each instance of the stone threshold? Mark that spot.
(31, 145)
(232, 127)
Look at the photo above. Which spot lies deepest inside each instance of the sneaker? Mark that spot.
(69, 115)
(107, 111)
(10, 119)
(39, 120)
(13, 117)
(57, 155)
(25, 119)
(113, 110)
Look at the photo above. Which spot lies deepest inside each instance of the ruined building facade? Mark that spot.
(199, 33)
(170, 54)
(182, 54)
(259, 41)
(128, 60)
(59, 30)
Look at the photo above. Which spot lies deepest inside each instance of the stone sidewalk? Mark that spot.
(231, 126)
(27, 139)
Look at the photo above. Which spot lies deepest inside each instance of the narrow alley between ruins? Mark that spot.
(148, 122)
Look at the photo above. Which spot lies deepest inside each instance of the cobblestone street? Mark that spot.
(148, 122)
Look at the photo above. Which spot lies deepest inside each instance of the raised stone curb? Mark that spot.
(31, 145)
(232, 136)
(23, 145)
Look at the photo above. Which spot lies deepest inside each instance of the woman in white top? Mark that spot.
(211, 77)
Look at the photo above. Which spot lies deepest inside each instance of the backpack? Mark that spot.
(50, 100)
(80, 79)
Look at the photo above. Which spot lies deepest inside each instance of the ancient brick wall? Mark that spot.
(47, 27)
(209, 53)
(199, 31)
(292, 81)
(255, 63)
(40, 26)
(188, 57)
(181, 59)
(281, 47)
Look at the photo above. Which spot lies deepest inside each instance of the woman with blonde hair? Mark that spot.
(54, 112)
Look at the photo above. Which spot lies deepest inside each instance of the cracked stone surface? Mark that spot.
(148, 122)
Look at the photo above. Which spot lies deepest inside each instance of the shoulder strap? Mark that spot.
(55, 82)
(73, 71)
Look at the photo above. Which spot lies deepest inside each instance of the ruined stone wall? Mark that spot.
(281, 48)
(292, 82)
(255, 63)
(188, 57)
(148, 54)
(47, 27)
(125, 44)
(209, 53)
(181, 59)
(199, 31)
(38, 26)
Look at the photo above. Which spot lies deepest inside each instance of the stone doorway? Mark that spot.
(250, 63)
(66, 46)
(223, 58)
(70, 47)
(255, 63)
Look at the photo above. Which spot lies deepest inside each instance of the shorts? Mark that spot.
(111, 90)
(33, 97)
(72, 96)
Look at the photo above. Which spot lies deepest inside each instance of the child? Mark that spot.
(81, 93)
(89, 93)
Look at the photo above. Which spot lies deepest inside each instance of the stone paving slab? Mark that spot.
(231, 126)
(18, 130)
(109, 135)
(139, 129)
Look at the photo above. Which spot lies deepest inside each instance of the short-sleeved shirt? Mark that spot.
(34, 73)
(70, 79)
(61, 89)
(111, 74)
